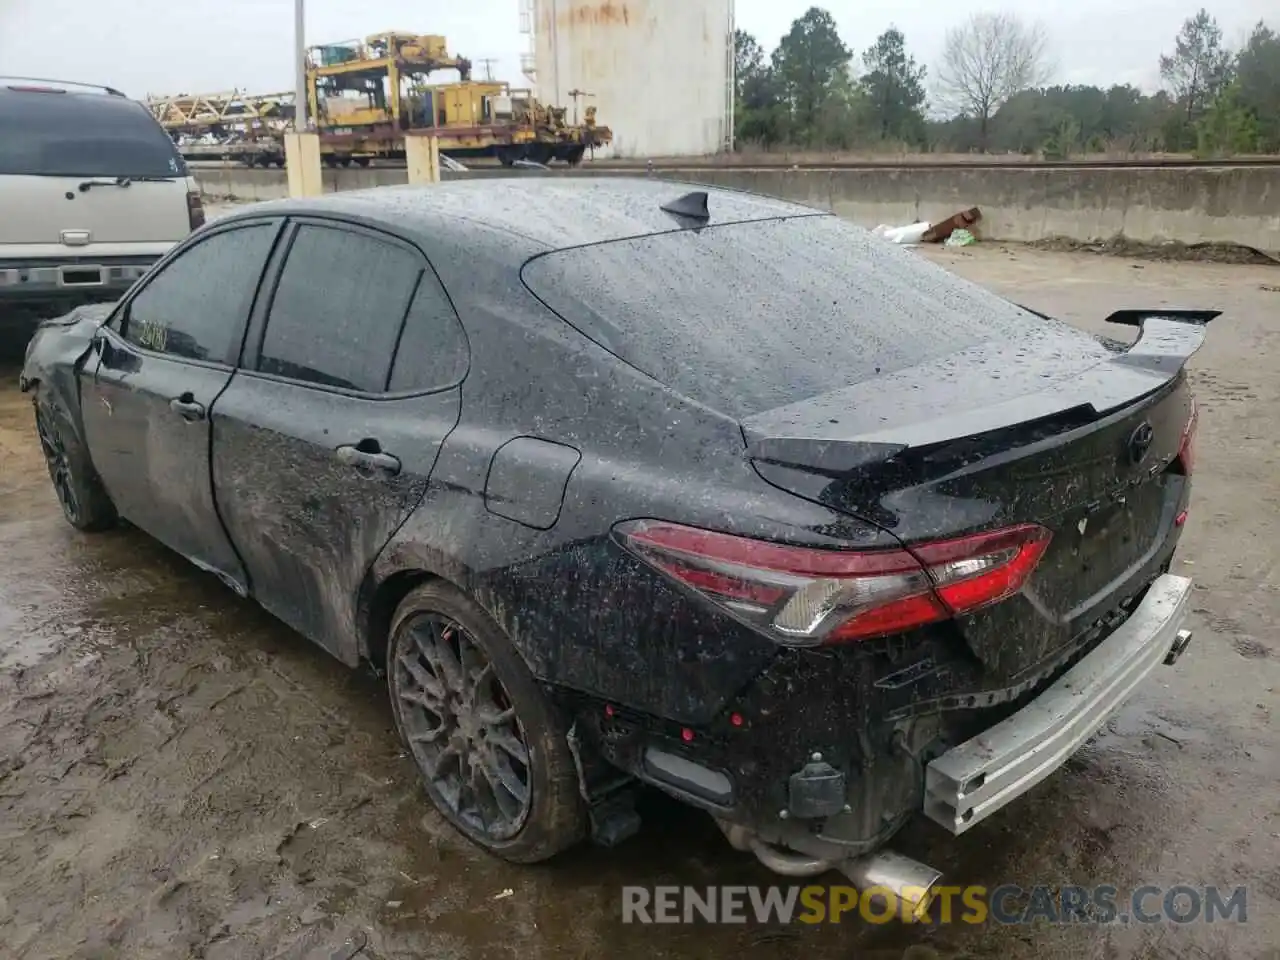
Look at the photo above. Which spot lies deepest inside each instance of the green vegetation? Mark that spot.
(989, 94)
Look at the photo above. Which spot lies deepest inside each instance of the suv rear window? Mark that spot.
(82, 135)
(751, 316)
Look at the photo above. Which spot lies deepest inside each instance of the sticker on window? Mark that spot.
(152, 335)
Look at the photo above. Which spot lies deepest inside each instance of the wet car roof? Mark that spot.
(547, 212)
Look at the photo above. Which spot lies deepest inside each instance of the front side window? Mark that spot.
(196, 307)
(338, 309)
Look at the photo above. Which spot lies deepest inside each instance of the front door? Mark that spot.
(324, 441)
(147, 395)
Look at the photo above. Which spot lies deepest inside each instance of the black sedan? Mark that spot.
(618, 481)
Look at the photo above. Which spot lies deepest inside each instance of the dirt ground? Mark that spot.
(182, 776)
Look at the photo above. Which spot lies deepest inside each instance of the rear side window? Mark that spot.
(433, 349)
(197, 306)
(748, 317)
(338, 309)
(82, 135)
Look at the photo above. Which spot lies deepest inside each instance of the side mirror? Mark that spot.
(115, 320)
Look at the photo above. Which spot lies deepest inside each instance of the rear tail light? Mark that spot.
(195, 209)
(1187, 449)
(805, 596)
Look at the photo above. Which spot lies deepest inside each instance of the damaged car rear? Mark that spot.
(718, 494)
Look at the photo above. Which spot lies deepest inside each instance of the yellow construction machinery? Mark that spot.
(367, 96)
(222, 112)
(230, 124)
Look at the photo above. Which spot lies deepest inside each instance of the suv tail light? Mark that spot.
(195, 209)
(1187, 449)
(805, 596)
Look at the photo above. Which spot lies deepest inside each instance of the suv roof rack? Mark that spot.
(112, 91)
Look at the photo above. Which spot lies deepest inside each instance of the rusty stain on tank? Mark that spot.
(595, 14)
(678, 50)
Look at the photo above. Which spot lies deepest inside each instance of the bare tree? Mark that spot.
(988, 59)
(1200, 65)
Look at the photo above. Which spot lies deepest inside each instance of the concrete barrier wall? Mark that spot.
(1228, 204)
(1150, 205)
(251, 184)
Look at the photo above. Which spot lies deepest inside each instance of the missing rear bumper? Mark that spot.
(970, 782)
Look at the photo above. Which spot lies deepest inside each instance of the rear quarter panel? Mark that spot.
(583, 612)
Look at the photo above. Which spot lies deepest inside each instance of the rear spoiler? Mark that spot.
(1166, 340)
(1135, 318)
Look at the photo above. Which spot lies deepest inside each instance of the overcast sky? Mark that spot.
(203, 46)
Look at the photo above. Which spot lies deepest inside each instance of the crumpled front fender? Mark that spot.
(56, 352)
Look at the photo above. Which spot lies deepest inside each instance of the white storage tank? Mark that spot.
(658, 72)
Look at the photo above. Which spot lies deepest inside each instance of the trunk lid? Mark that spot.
(1080, 438)
(38, 213)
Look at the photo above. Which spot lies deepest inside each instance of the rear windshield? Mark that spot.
(748, 317)
(82, 135)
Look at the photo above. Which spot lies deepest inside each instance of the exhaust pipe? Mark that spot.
(882, 874)
(786, 863)
(1180, 644)
(888, 874)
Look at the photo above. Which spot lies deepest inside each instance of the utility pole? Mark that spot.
(488, 68)
(300, 65)
(575, 93)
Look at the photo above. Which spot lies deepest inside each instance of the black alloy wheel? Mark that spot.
(462, 728)
(76, 484)
(55, 456)
(491, 747)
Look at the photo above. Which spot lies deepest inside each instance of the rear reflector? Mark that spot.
(195, 210)
(1187, 449)
(806, 596)
(36, 89)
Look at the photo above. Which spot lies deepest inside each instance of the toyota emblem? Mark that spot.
(1140, 443)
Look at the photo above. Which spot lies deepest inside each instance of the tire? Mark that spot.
(552, 816)
(80, 493)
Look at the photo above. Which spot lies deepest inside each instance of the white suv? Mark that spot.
(92, 192)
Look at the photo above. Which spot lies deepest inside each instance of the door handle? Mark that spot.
(368, 459)
(187, 408)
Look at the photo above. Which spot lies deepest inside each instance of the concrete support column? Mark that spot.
(422, 155)
(302, 161)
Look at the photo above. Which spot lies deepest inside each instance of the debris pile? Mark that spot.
(953, 231)
(941, 231)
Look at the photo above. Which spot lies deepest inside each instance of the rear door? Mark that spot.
(324, 441)
(86, 175)
(159, 367)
